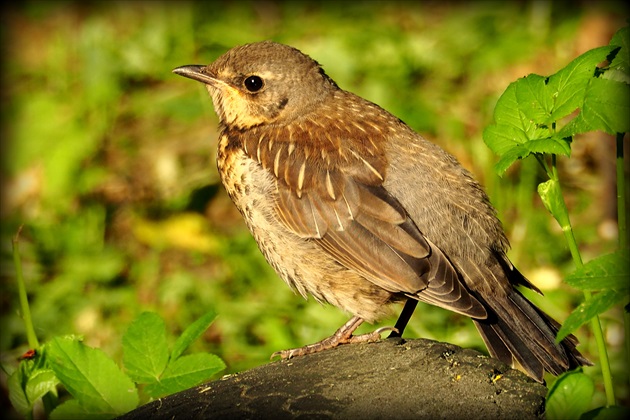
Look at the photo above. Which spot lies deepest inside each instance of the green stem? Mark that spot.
(621, 195)
(596, 325)
(33, 343)
(577, 259)
(622, 225)
(541, 159)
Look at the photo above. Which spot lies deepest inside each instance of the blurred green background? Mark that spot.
(108, 158)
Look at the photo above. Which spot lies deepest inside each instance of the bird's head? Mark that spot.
(262, 83)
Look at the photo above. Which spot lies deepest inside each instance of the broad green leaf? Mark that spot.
(598, 304)
(509, 157)
(40, 383)
(73, 410)
(186, 372)
(525, 113)
(551, 196)
(91, 377)
(192, 333)
(569, 396)
(576, 126)
(616, 75)
(613, 412)
(506, 109)
(500, 138)
(568, 85)
(145, 350)
(522, 125)
(550, 145)
(607, 106)
(508, 113)
(606, 272)
(17, 396)
(621, 61)
(534, 100)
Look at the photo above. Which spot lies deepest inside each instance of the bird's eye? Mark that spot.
(253, 83)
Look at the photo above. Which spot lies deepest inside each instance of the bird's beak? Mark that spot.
(196, 72)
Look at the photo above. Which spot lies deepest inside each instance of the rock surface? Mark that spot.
(393, 378)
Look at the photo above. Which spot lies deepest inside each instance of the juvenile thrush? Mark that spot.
(350, 205)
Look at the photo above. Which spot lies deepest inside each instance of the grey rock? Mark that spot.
(394, 378)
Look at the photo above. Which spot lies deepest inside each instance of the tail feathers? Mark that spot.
(517, 331)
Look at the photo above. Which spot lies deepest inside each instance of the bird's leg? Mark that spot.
(404, 317)
(342, 336)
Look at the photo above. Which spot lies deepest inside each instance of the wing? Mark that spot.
(333, 195)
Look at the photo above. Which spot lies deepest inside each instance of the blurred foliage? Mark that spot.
(108, 158)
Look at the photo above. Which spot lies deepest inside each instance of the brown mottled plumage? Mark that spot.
(350, 205)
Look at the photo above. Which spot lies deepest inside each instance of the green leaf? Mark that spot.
(500, 138)
(186, 372)
(605, 272)
(576, 126)
(568, 85)
(599, 303)
(192, 333)
(509, 157)
(534, 100)
(607, 106)
(512, 125)
(73, 410)
(91, 377)
(621, 61)
(551, 196)
(17, 396)
(551, 145)
(613, 412)
(523, 124)
(41, 382)
(506, 109)
(145, 350)
(525, 113)
(569, 396)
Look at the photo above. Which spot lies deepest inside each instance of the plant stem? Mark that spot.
(621, 195)
(33, 343)
(567, 229)
(622, 227)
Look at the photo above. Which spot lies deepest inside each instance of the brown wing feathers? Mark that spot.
(355, 219)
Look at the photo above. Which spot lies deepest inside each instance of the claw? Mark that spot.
(384, 329)
(342, 336)
(285, 354)
(371, 336)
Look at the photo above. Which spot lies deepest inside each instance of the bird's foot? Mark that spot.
(342, 336)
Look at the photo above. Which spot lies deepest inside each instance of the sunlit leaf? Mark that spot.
(613, 412)
(621, 61)
(145, 350)
(17, 396)
(534, 100)
(186, 372)
(91, 377)
(569, 396)
(606, 272)
(598, 304)
(73, 410)
(191, 333)
(41, 382)
(502, 138)
(568, 85)
(607, 106)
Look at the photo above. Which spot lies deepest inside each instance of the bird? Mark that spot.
(350, 205)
